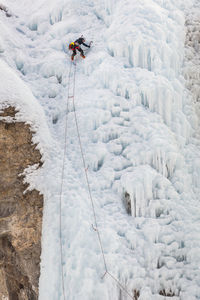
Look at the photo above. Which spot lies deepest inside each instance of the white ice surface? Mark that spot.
(138, 131)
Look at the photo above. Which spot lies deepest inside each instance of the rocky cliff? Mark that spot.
(20, 211)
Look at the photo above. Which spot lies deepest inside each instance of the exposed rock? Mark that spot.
(20, 212)
(5, 9)
(127, 202)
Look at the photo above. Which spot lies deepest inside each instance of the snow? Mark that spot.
(14, 92)
(139, 136)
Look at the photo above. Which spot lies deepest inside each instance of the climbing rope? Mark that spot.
(91, 199)
(95, 226)
(61, 187)
(86, 175)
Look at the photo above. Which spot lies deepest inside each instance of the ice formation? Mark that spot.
(138, 130)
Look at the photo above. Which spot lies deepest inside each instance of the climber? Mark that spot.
(76, 46)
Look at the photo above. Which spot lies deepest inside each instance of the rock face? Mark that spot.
(20, 212)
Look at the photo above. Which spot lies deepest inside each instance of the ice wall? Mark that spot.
(137, 128)
(155, 169)
(147, 73)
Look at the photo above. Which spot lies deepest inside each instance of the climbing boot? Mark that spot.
(83, 56)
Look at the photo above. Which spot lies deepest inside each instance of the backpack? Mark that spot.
(71, 46)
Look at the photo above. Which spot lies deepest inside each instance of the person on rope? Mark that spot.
(76, 46)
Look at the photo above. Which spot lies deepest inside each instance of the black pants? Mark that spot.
(79, 49)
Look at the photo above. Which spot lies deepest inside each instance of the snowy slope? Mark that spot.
(137, 126)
